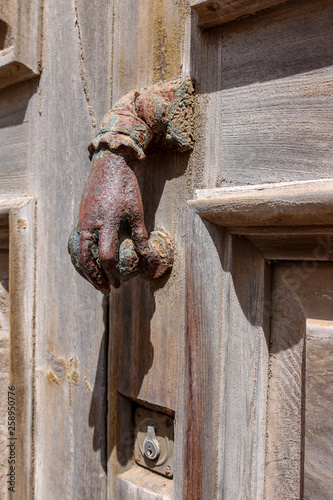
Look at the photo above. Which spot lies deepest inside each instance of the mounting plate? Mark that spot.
(163, 433)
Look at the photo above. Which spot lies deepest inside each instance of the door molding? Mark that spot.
(21, 219)
(20, 58)
(212, 14)
(233, 234)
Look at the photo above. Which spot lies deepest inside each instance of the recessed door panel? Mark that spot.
(299, 452)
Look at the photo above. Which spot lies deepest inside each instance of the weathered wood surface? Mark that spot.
(285, 204)
(71, 336)
(21, 59)
(222, 11)
(4, 349)
(146, 319)
(14, 135)
(156, 50)
(17, 309)
(283, 474)
(227, 283)
(7, 13)
(293, 245)
(27, 33)
(299, 426)
(264, 88)
(300, 291)
(265, 107)
(315, 295)
(318, 452)
(203, 375)
(282, 220)
(140, 484)
(245, 335)
(22, 337)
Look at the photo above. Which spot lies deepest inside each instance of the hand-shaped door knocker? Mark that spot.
(157, 118)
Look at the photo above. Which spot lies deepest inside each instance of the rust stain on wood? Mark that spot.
(193, 440)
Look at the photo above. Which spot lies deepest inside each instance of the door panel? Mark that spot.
(299, 457)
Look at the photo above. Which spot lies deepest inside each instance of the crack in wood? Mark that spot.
(83, 67)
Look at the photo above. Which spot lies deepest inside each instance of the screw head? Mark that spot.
(168, 470)
(138, 458)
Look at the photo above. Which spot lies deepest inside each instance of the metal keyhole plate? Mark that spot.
(154, 443)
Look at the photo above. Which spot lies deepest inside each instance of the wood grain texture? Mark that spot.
(4, 349)
(283, 475)
(295, 203)
(22, 335)
(282, 220)
(147, 320)
(245, 368)
(300, 291)
(4, 234)
(139, 484)
(264, 86)
(203, 375)
(318, 453)
(299, 444)
(27, 33)
(155, 50)
(226, 364)
(71, 337)
(14, 136)
(222, 11)
(21, 60)
(294, 246)
(7, 12)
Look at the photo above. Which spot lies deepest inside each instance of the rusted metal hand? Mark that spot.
(110, 243)
(111, 206)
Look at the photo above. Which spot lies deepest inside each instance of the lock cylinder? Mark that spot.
(151, 446)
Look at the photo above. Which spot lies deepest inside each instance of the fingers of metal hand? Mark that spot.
(153, 265)
(89, 263)
(108, 250)
(73, 249)
(140, 239)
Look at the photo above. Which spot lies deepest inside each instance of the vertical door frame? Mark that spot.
(22, 241)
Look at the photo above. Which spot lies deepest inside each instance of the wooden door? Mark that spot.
(263, 93)
(269, 262)
(225, 355)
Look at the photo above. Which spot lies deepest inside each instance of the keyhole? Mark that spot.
(151, 446)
